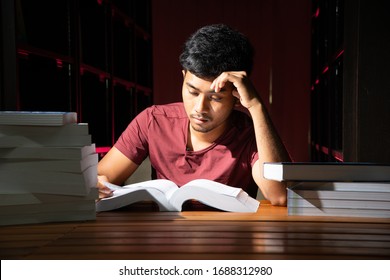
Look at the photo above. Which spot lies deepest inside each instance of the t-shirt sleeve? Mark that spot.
(133, 142)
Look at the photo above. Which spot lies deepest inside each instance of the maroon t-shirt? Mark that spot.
(161, 132)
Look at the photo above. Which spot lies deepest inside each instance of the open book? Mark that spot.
(169, 197)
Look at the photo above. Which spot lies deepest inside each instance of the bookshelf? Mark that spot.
(88, 56)
(366, 81)
(327, 80)
(349, 82)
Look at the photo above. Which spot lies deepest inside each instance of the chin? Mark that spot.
(200, 129)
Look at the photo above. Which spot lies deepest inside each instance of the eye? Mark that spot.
(194, 93)
(215, 97)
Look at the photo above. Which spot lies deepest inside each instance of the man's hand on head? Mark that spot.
(243, 90)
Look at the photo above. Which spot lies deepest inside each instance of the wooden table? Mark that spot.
(134, 233)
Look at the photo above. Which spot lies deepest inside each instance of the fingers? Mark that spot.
(235, 77)
(103, 190)
(243, 89)
(217, 84)
(236, 94)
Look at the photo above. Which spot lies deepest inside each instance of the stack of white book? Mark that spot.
(48, 168)
(334, 189)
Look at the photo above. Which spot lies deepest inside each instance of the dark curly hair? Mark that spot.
(214, 49)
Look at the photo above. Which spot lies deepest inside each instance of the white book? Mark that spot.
(326, 171)
(24, 198)
(34, 130)
(346, 199)
(337, 203)
(45, 216)
(41, 152)
(336, 212)
(343, 186)
(21, 198)
(80, 205)
(31, 208)
(340, 190)
(45, 140)
(170, 197)
(74, 134)
(50, 182)
(42, 198)
(46, 118)
(62, 165)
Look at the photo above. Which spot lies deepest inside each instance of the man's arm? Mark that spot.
(270, 149)
(115, 168)
(269, 145)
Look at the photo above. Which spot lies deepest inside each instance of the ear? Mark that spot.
(237, 102)
(184, 73)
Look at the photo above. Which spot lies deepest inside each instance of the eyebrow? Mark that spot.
(210, 91)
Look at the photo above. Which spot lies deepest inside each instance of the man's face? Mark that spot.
(206, 109)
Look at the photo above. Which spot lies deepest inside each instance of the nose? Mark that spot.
(201, 104)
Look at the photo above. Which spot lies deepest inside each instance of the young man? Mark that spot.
(204, 136)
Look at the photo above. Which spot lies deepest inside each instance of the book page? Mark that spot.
(162, 185)
(225, 202)
(155, 190)
(214, 186)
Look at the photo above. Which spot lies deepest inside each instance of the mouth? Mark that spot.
(199, 119)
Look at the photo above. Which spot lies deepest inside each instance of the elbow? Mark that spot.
(275, 193)
(278, 201)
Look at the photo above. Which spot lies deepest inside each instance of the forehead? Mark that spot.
(193, 79)
(202, 84)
